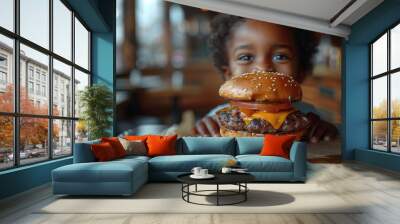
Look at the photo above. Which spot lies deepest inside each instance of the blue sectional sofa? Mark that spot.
(125, 176)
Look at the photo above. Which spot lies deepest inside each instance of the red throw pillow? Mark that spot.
(116, 145)
(277, 145)
(135, 137)
(161, 145)
(103, 152)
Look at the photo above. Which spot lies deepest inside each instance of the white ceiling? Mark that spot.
(320, 9)
(314, 15)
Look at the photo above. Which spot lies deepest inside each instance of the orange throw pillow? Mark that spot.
(116, 145)
(161, 145)
(277, 145)
(103, 152)
(135, 137)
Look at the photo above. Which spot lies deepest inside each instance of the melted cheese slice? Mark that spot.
(275, 119)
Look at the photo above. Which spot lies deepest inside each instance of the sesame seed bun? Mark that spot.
(268, 87)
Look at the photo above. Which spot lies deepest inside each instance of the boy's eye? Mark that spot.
(280, 57)
(245, 57)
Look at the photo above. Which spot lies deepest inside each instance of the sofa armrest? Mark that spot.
(298, 155)
(83, 152)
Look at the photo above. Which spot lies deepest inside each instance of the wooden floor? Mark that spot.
(377, 188)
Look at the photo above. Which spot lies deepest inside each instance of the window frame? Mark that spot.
(388, 74)
(16, 114)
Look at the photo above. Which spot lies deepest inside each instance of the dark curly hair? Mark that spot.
(222, 26)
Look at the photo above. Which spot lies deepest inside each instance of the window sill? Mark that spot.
(26, 167)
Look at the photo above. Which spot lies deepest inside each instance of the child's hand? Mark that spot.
(320, 129)
(207, 126)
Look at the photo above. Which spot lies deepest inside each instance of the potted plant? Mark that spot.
(96, 104)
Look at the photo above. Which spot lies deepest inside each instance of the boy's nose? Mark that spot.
(264, 67)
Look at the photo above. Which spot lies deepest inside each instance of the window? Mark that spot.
(34, 21)
(7, 72)
(3, 61)
(37, 75)
(62, 74)
(30, 72)
(3, 78)
(30, 87)
(62, 32)
(43, 90)
(81, 45)
(46, 74)
(385, 92)
(37, 89)
(149, 18)
(7, 14)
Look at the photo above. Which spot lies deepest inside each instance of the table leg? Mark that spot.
(245, 193)
(217, 194)
(195, 188)
(188, 189)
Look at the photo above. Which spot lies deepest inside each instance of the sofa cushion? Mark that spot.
(103, 152)
(134, 147)
(207, 145)
(257, 163)
(249, 145)
(277, 145)
(116, 145)
(112, 171)
(159, 145)
(185, 163)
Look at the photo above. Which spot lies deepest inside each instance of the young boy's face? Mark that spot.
(256, 45)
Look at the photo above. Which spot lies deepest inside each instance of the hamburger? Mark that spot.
(261, 103)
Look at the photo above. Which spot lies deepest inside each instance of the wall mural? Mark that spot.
(194, 72)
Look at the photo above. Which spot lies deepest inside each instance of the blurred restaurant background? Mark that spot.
(165, 76)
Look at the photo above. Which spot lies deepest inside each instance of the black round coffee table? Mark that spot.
(238, 179)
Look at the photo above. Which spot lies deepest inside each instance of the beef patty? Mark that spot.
(231, 118)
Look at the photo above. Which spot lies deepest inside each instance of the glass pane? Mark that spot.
(395, 94)
(6, 142)
(34, 92)
(120, 23)
(33, 139)
(7, 14)
(81, 132)
(379, 135)
(395, 47)
(81, 45)
(379, 97)
(62, 29)
(395, 136)
(6, 74)
(62, 138)
(35, 21)
(149, 32)
(379, 55)
(81, 81)
(177, 17)
(62, 89)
